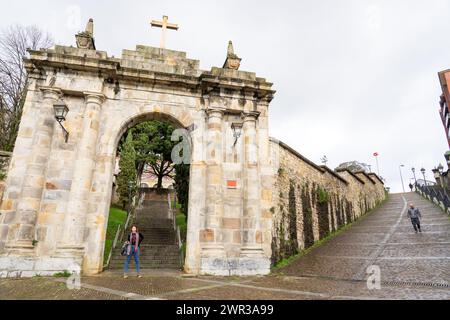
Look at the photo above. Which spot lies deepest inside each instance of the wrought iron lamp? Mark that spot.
(423, 173)
(414, 174)
(237, 131)
(440, 168)
(61, 111)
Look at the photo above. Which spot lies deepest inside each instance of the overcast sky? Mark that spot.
(353, 77)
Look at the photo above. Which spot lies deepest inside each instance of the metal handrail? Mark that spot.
(180, 246)
(435, 193)
(127, 222)
(172, 212)
(116, 238)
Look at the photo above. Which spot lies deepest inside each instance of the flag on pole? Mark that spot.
(376, 154)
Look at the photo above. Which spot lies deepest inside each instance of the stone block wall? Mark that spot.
(5, 158)
(311, 201)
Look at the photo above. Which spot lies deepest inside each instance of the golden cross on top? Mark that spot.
(164, 25)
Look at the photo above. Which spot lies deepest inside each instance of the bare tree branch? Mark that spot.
(14, 43)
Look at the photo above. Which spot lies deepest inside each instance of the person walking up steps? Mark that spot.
(133, 250)
(415, 216)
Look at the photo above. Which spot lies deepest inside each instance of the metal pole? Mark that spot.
(378, 168)
(401, 177)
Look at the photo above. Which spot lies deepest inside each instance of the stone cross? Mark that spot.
(164, 25)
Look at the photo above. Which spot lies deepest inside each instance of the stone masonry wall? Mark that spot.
(311, 201)
(5, 158)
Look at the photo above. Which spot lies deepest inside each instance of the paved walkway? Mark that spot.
(412, 266)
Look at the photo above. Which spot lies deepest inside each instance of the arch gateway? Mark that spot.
(55, 208)
(253, 200)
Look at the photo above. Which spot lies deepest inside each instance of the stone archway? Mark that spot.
(54, 213)
(110, 134)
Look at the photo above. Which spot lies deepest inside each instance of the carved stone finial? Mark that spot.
(90, 27)
(85, 39)
(233, 61)
(230, 49)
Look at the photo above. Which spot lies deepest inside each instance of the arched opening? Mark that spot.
(156, 201)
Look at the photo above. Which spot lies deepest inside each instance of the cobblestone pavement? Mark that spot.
(412, 266)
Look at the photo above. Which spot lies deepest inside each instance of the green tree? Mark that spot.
(153, 143)
(182, 186)
(127, 164)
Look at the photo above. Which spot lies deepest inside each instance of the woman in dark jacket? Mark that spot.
(133, 250)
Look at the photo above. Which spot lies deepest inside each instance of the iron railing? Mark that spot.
(121, 232)
(437, 194)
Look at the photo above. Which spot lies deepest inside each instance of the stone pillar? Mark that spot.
(252, 236)
(73, 235)
(22, 229)
(211, 236)
(197, 194)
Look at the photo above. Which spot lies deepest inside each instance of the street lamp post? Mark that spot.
(401, 176)
(414, 174)
(441, 177)
(423, 173)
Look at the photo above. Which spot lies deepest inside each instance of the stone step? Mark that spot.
(148, 248)
(149, 256)
(144, 264)
(162, 202)
(153, 224)
(151, 218)
(152, 229)
(147, 262)
(150, 267)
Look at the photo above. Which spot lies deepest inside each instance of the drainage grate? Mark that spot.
(386, 283)
(415, 284)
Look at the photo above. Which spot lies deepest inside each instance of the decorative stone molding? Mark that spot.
(95, 98)
(85, 40)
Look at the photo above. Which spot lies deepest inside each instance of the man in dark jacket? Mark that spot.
(414, 215)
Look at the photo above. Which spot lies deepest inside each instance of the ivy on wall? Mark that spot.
(323, 212)
(332, 210)
(293, 242)
(339, 213)
(308, 232)
(349, 211)
(284, 241)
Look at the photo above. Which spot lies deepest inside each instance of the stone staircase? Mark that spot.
(160, 249)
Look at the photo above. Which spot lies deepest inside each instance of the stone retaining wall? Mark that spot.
(310, 201)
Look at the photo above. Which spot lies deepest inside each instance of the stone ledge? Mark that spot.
(235, 266)
(27, 267)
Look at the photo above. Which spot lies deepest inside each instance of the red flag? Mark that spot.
(376, 154)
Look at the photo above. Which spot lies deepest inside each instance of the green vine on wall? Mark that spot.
(323, 212)
(322, 196)
(308, 232)
(293, 242)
